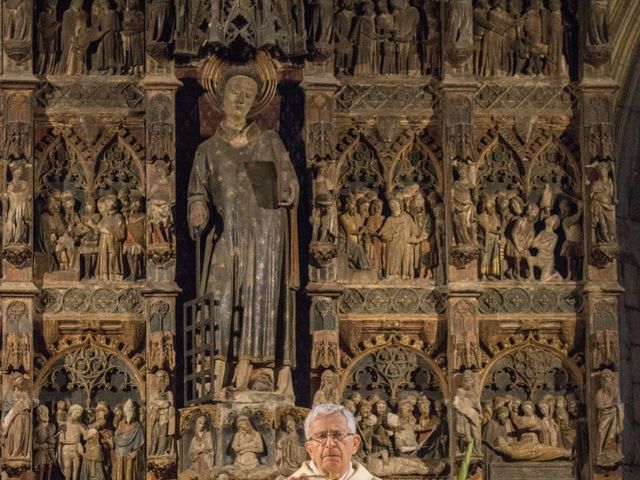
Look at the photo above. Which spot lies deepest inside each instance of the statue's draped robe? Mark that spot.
(129, 442)
(252, 266)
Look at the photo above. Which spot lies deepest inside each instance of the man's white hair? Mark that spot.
(326, 409)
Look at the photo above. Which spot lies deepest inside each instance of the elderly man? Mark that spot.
(331, 443)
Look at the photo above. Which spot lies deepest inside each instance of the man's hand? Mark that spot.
(198, 215)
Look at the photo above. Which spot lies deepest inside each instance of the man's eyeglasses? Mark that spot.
(322, 437)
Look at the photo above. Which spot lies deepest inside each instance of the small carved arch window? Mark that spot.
(499, 170)
(557, 168)
(530, 373)
(118, 166)
(361, 169)
(87, 375)
(417, 165)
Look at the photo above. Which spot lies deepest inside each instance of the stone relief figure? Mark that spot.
(133, 37)
(598, 23)
(15, 426)
(468, 413)
(47, 39)
(247, 444)
(521, 234)
(556, 62)
(16, 354)
(431, 39)
(528, 445)
(129, 461)
(17, 21)
(133, 248)
(162, 417)
(89, 239)
(464, 209)
(602, 199)
(400, 235)
(545, 243)
(365, 40)
(460, 31)
(492, 239)
(246, 175)
(351, 232)
(108, 57)
(15, 204)
(112, 230)
(405, 36)
(159, 214)
(535, 34)
(605, 348)
(94, 461)
(373, 224)
(70, 449)
(160, 21)
(572, 249)
(290, 453)
(385, 28)
(324, 219)
(44, 444)
(422, 250)
(201, 452)
(610, 420)
(321, 28)
(341, 30)
(75, 39)
(328, 391)
(481, 26)
(72, 223)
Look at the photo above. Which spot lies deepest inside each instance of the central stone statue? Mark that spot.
(244, 188)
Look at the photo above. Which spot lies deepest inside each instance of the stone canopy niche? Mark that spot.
(218, 213)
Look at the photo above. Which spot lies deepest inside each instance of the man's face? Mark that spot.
(332, 457)
(239, 95)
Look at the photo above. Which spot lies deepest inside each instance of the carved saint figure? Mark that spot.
(545, 243)
(15, 427)
(603, 214)
(321, 28)
(134, 243)
(422, 250)
(201, 452)
(16, 352)
(160, 22)
(610, 419)
(44, 444)
(162, 416)
(159, 215)
(108, 57)
(341, 31)
(247, 444)
(406, 18)
(112, 230)
(571, 248)
(490, 227)
(89, 239)
(400, 234)
(47, 39)
(468, 413)
(520, 237)
(70, 448)
(246, 176)
(328, 391)
(15, 204)
(289, 450)
(17, 20)
(464, 209)
(133, 37)
(556, 61)
(365, 40)
(94, 461)
(460, 33)
(75, 38)
(351, 231)
(598, 23)
(129, 442)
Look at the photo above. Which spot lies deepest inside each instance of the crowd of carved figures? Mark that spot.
(515, 37)
(405, 244)
(108, 38)
(384, 37)
(98, 442)
(107, 244)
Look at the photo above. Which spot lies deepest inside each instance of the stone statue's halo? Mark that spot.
(215, 73)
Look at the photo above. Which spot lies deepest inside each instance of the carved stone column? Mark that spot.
(605, 412)
(17, 291)
(160, 87)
